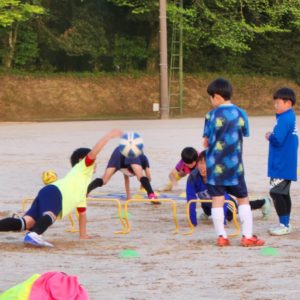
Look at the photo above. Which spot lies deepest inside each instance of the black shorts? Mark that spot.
(118, 161)
(238, 191)
(280, 186)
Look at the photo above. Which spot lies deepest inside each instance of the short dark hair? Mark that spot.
(78, 154)
(285, 94)
(189, 155)
(202, 156)
(221, 87)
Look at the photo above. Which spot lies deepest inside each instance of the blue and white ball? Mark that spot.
(131, 145)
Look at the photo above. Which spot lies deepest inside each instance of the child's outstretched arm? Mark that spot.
(102, 142)
(82, 223)
(174, 176)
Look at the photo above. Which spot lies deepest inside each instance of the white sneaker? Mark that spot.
(203, 217)
(266, 209)
(34, 239)
(280, 230)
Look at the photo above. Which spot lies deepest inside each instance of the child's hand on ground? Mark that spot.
(87, 237)
(174, 183)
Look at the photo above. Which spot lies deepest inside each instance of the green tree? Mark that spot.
(12, 13)
(218, 34)
(73, 35)
(233, 24)
(129, 53)
(146, 14)
(85, 37)
(27, 48)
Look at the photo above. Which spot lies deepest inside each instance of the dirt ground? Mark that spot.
(169, 266)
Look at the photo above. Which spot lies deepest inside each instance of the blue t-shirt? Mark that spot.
(225, 127)
(283, 147)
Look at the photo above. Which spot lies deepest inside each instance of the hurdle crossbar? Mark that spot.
(119, 208)
(231, 207)
(126, 205)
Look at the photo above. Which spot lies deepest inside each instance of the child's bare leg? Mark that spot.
(30, 222)
(82, 225)
(109, 172)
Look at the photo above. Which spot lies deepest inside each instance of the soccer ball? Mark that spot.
(49, 176)
(131, 144)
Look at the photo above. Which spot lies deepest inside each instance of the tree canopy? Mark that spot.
(12, 11)
(259, 36)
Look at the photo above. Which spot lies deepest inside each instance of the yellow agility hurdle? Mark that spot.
(230, 206)
(73, 229)
(127, 229)
(119, 207)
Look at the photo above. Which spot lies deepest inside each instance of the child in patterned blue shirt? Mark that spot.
(224, 129)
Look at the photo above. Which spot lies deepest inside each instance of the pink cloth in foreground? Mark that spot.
(57, 286)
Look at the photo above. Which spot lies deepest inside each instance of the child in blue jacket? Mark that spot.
(282, 161)
(196, 188)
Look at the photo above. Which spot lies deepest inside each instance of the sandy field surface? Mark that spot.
(168, 266)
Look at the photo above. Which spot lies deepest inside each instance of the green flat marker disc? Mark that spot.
(129, 253)
(269, 252)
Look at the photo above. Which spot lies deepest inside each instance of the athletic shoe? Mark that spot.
(203, 217)
(280, 230)
(153, 196)
(34, 239)
(222, 242)
(266, 208)
(252, 242)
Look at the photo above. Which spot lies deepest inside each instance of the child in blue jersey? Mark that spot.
(224, 129)
(59, 198)
(282, 162)
(196, 189)
(130, 167)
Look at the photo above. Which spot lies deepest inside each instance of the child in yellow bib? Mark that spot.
(59, 198)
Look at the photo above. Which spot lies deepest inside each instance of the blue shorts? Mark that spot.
(238, 191)
(118, 161)
(49, 198)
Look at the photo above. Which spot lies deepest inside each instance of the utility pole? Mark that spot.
(164, 98)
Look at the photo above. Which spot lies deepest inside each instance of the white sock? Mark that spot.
(245, 215)
(217, 215)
